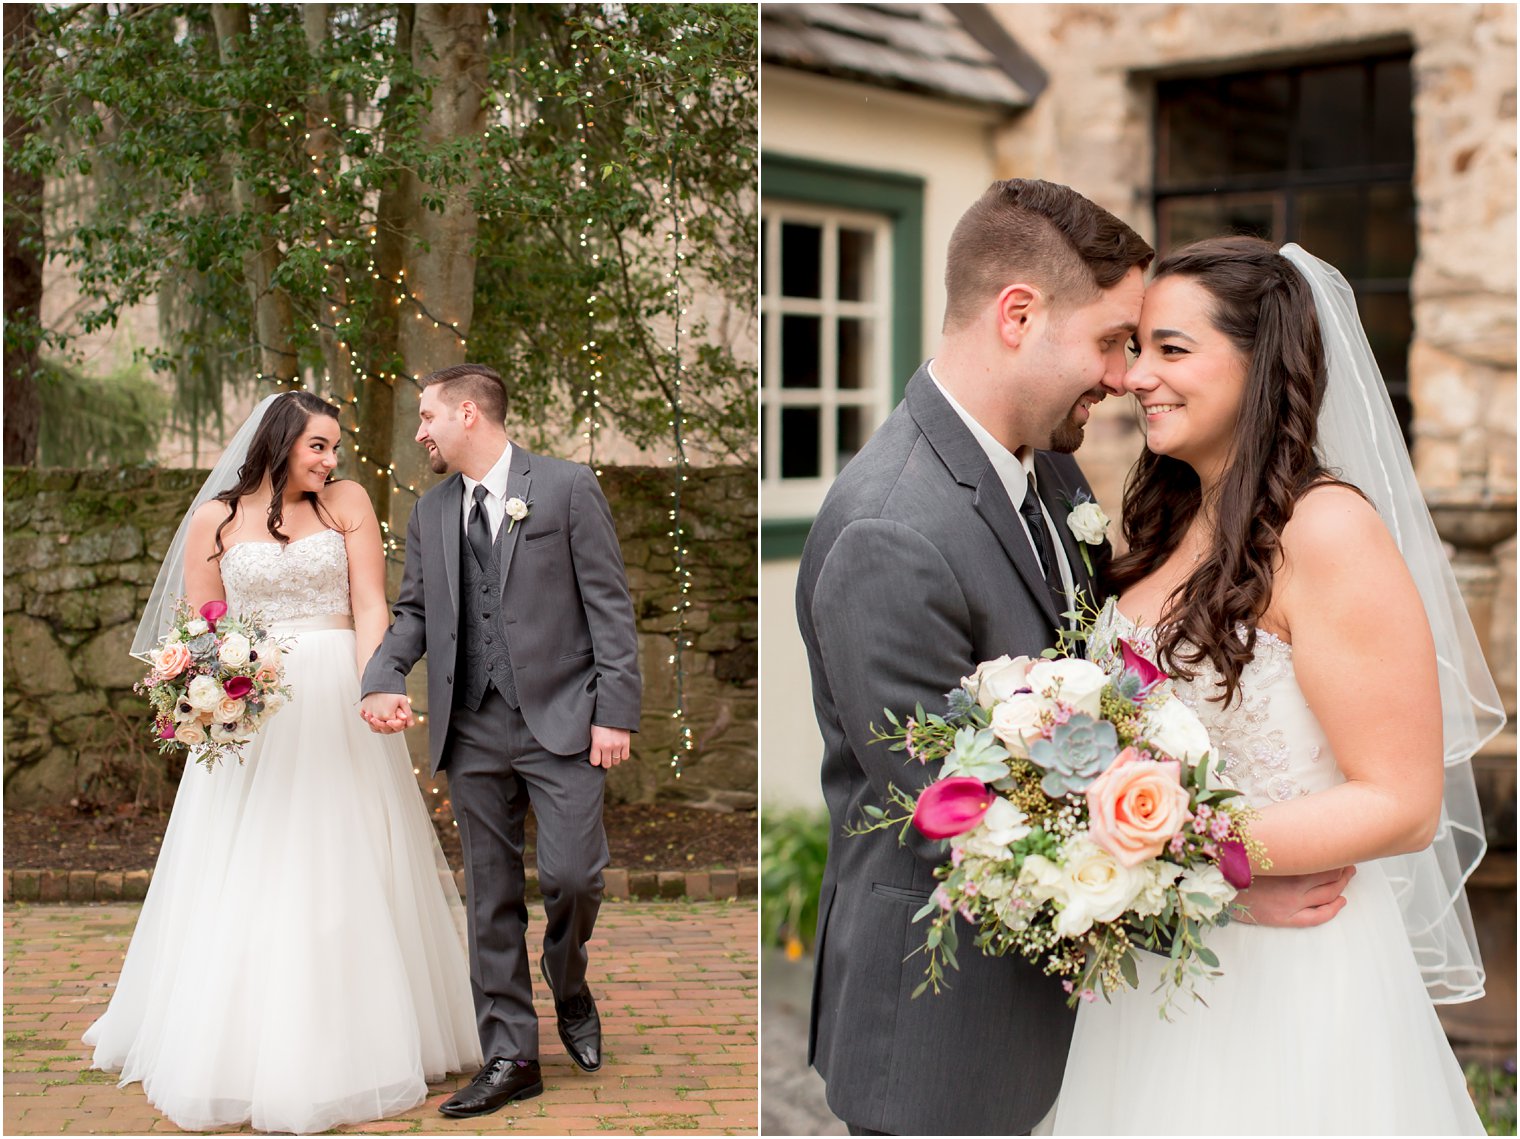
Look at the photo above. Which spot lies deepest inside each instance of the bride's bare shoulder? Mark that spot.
(347, 501)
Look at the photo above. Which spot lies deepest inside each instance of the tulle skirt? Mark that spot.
(299, 960)
(1322, 1031)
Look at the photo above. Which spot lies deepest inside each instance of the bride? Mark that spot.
(1315, 627)
(298, 962)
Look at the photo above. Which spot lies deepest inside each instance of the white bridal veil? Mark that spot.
(169, 586)
(1360, 439)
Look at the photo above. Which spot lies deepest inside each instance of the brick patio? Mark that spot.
(676, 982)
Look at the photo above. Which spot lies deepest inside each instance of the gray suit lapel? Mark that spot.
(452, 526)
(968, 464)
(519, 482)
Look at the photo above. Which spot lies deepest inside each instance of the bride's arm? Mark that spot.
(1364, 657)
(203, 576)
(350, 505)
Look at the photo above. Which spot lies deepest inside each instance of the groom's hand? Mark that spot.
(1293, 900)
(609, 746)
(386, 712)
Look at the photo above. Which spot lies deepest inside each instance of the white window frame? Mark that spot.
(800, 498)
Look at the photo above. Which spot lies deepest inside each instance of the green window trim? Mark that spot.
(901, 198)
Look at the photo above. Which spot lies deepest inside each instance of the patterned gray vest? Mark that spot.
(482, 628)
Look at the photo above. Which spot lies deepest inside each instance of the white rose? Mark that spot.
(204, 693)
(234, 650)
(1209, 882)
(1088, 522)
(1174, 728)
(996, 680)
(274, 702)
(1159, 874)
(1098, 887)
(1076, 683)
(197, 626)
(1017, 722)
(1001, 827)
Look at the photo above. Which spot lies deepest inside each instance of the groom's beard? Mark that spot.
(1068, 435)
(436, 461)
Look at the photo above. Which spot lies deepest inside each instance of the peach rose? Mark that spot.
(190, 734)
(230, 711)
(1136, 806)
(172, 660)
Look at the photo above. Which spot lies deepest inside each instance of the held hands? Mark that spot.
(609, 746)
(387, 712)
(1293, 900)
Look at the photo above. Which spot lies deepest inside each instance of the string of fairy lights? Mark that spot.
(339, 317)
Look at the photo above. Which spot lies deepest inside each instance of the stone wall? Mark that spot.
(82, 549)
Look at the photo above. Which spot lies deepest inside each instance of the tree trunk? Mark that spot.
(274, 316)
(23, 263)
(322, 152)
(448, 49)
(378, 402)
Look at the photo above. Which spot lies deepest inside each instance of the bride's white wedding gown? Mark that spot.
(1322, 1031)
(299, 961)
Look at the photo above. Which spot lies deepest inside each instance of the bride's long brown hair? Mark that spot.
(1264, 306)
(283, 424)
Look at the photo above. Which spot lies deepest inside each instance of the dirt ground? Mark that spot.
(640, 837)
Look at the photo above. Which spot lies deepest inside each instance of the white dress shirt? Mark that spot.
(495, 482)
(1015, 469)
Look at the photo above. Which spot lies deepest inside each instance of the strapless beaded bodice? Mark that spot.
(1272, 743)
(304, 578)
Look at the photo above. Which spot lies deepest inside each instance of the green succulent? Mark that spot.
(977, 753)
(1076, 753)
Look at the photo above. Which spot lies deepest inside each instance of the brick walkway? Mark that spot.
(676, 982)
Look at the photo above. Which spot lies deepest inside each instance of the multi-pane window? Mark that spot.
(1320, 155)
(827, 308)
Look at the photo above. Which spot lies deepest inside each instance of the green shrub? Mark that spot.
(793, 847)
(1493, 1091)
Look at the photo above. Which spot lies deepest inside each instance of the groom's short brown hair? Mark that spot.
(473, 382)
(1040, 232)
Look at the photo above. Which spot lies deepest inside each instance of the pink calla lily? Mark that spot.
(238, 687)
(951, 806)
(1148, 673)
(1235, 863)
(166, 729)
(214, 611)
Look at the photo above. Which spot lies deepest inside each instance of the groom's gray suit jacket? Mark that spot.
(915, 569)
(564, 602)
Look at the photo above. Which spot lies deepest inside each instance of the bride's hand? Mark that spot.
(1295, 900)
(386, 712)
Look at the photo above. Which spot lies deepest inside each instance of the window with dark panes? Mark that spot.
(1322, 155)
(826, 312)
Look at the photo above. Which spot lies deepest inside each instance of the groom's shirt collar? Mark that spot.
(1015, 469)
(495, 482)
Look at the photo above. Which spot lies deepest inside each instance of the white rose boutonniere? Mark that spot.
(1089, 525)
(517, 510)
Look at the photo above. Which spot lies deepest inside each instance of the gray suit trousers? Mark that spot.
(496, 771)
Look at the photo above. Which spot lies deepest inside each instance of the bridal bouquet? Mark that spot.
(214, 680)
(1083, 822)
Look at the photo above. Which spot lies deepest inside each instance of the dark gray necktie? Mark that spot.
(1039, 536)
(479, 529)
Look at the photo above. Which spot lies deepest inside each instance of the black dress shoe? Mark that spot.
(499, 1082)
(580, 1025)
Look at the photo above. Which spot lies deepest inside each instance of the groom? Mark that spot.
(943, 543)
(514, 587)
